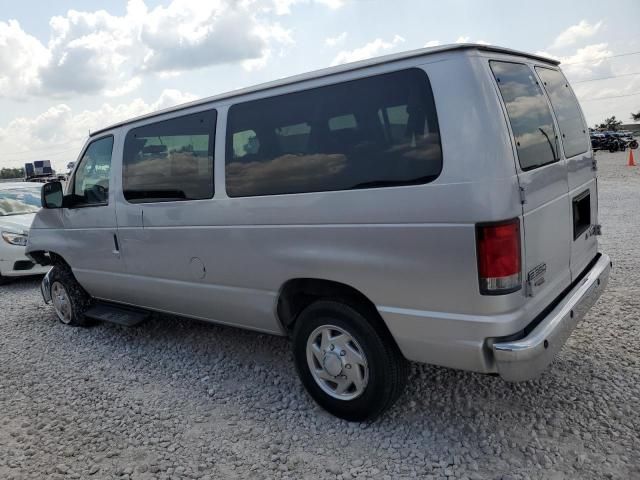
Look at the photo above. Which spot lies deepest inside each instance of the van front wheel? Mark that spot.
(69, 299)
(351, 368)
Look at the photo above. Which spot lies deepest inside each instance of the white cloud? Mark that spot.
(587, 62)
(58, 133)
(332, 4)
(127, 87)
(460, 39)
(21, 55)
(270, 34)
(283, 7)
(257, 63)
(371, 49)
(576, 32)
(193, 34)
(95, 52)
(335, 41)
(596, 108)
(592, 62)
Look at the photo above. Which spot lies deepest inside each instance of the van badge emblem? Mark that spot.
(535, 278)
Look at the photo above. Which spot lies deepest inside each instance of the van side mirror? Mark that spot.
(52, 195)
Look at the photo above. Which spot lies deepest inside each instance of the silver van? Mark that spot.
(438, 206)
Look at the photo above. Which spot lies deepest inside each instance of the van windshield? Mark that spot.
(529, 114)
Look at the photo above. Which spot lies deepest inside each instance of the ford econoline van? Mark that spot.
(437, 206)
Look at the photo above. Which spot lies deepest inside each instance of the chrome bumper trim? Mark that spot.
(526, 358)
(45, 287)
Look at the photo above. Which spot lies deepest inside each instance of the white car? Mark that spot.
(19, 203)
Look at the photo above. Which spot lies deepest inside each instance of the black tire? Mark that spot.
(78, 299)
(387, 368)
(633, 145)
(4, 280)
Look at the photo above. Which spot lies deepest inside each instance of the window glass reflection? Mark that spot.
(170, 160)
(374, 132)
(529, 114)
(575, 139)
(91, 181)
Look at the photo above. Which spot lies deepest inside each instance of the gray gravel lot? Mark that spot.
(179, 399)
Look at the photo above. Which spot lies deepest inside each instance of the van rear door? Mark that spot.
(543, 179)
(581, 172)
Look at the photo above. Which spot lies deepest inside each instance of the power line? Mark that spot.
(74, 140)
(31, 152)
(47, 153)
(612, 96)
(603, 58)
(606, 78)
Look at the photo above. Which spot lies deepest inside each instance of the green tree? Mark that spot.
(11, 173)
(635, 116)
(610, 124)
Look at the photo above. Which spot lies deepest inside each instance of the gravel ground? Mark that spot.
(179, 399)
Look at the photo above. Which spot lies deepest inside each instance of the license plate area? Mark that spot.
(581, 213)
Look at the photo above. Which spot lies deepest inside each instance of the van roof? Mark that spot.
(325, 72)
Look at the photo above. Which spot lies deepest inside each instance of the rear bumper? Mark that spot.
(526, 358)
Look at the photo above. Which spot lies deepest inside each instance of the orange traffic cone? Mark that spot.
(632, 162)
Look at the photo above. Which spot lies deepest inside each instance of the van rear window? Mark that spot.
(529, 114)
(373, 132)
(575, 139)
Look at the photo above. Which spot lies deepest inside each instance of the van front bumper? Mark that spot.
(20, 266)
(526, 358)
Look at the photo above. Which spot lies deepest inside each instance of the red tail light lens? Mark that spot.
(498, 250)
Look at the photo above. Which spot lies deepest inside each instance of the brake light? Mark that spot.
(498, 250)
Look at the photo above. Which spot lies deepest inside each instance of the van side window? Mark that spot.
(575, 138)
(91, 180)
(529, 114)
(373, 132)
(170, 160)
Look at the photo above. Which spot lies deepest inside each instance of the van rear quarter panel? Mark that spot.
(411, 249)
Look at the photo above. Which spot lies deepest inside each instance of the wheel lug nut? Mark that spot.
(347, 366)
(342, 353)
(332, 347)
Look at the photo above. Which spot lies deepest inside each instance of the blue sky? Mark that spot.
(67, 67)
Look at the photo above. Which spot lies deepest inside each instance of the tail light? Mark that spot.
(499, 264)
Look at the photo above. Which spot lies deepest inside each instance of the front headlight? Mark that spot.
(15, 239)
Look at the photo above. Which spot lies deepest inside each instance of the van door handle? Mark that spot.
(116, 250)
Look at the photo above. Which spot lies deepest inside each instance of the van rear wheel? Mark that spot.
(69, 299)
(349, 367)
